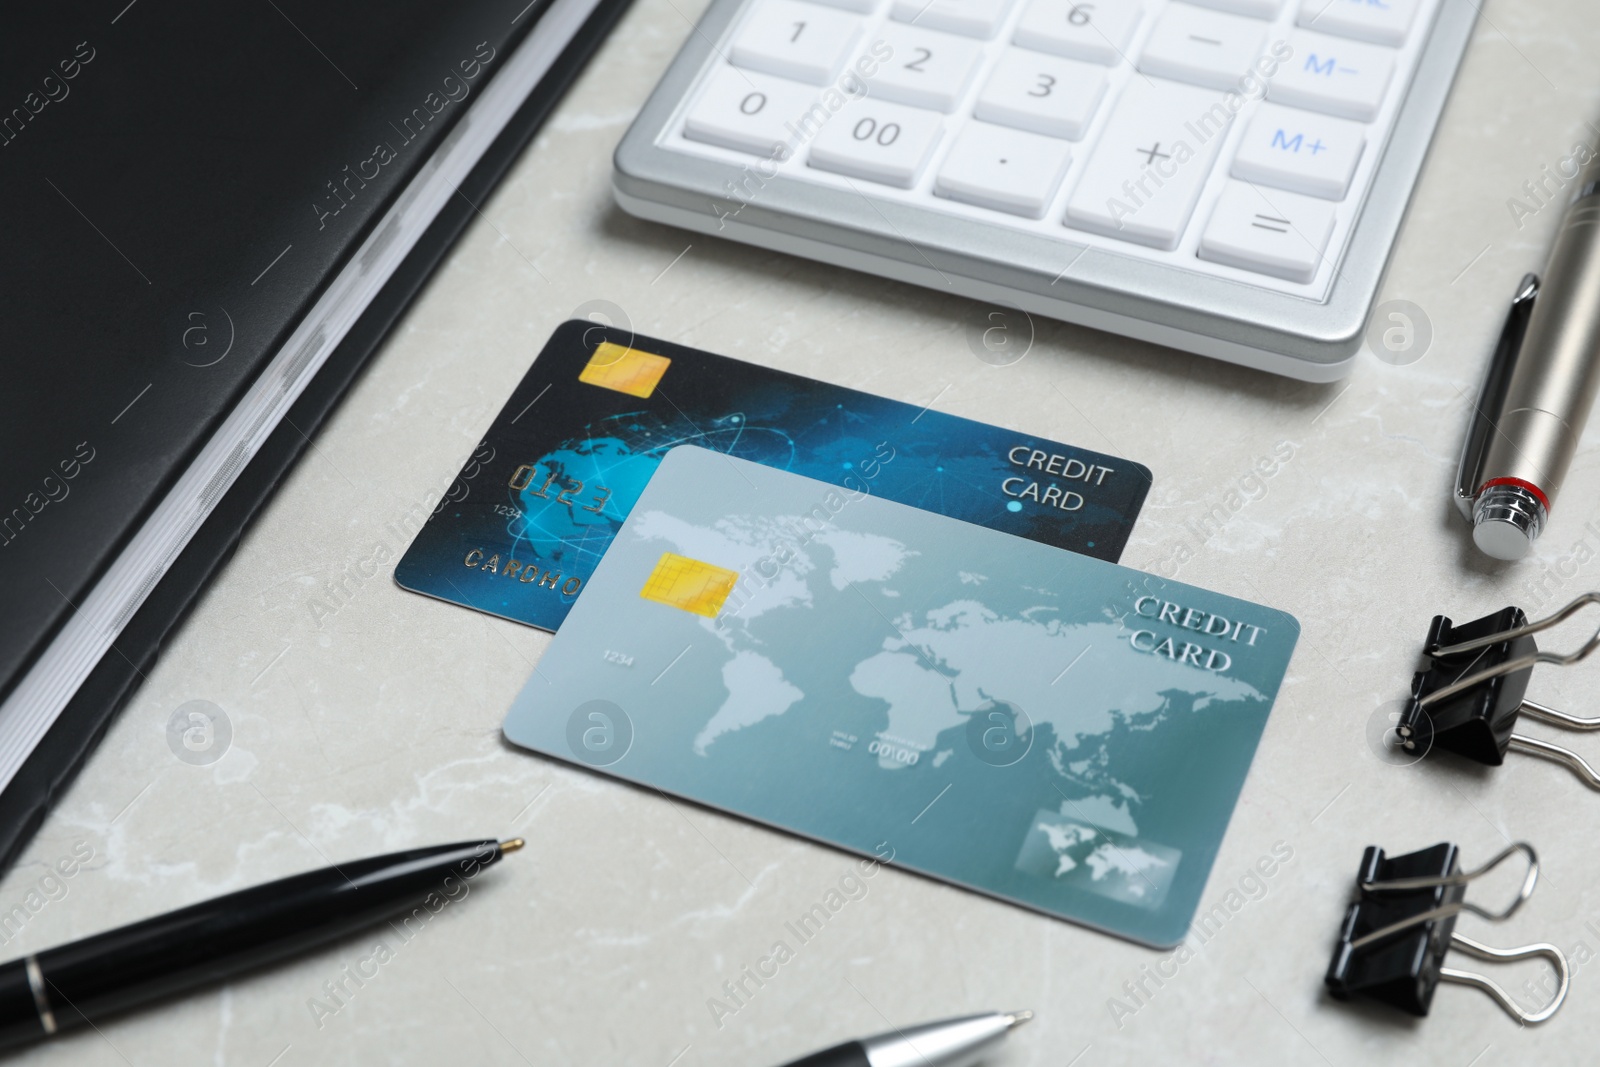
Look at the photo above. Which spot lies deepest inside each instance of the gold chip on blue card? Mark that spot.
(625, 369)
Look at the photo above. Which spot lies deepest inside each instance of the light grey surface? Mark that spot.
(372, 722)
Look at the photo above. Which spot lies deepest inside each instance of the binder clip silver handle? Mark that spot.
(1532, 746)
(1529, 881)
(1522, 663)
(1505, 955)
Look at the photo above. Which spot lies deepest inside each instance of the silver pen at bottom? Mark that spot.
(959, 1042)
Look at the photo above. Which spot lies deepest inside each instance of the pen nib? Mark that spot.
(1015, 1019)
(511, 845)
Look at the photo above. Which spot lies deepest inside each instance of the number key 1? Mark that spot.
(795, 40)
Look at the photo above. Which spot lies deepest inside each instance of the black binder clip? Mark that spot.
(1468, 699)
(1396, 934)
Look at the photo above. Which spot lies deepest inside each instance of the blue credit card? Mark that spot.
(533, 512)
(1053, 730)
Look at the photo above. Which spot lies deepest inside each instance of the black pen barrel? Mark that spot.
(849, 1054)
(211, 941)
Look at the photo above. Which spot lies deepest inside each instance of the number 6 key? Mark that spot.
(1096, 30)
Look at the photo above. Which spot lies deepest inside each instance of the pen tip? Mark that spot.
(1015, 1019)
(511, 845)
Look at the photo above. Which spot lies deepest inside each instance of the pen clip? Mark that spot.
(1491, 398)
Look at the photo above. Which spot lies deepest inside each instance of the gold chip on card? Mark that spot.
(689, 584)
(625, 370)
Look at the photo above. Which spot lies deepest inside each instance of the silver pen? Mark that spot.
(1539, 388)
(952, 1043)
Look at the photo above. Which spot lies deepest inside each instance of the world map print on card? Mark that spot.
(1029, 722)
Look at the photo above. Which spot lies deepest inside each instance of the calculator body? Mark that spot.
(1057, 264)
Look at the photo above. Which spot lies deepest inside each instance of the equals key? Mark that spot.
(1268, 232)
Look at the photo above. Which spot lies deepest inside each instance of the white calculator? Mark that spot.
(1221, 176)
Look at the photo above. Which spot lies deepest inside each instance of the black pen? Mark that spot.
(951, 1043)
(207, 943)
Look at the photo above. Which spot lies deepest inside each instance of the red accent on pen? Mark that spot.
(1519, 483)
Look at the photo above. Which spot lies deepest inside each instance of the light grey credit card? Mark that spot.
(1051, 729)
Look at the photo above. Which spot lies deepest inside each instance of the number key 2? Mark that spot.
(925, 69)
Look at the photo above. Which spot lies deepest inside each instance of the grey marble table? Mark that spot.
(365, 718)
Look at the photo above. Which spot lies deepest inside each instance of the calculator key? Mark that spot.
(1379, 21)
(795, 40)
(925, 69)
(1210, 48)
(1096, 30)
(1042, 94)
(1268, 231)
(970, 18)
(865, 7)
(748, 113)
(1300, 151)
(877, 141)
(1145, 175)
(1002, 169)
(1256, 9)
(1334, 76)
